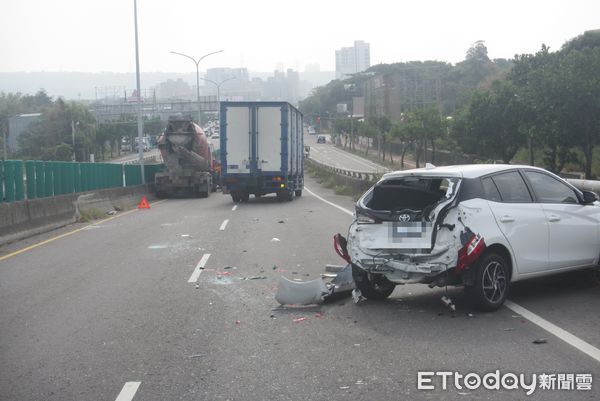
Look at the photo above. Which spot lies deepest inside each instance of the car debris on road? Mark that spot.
(292, 292)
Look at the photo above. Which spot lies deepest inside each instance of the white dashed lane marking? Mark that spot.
(196, 274)
(128, 391)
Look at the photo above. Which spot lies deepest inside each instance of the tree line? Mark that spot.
(51, 136)
(541, 108)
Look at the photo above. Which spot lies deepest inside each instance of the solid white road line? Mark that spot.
(128, 391)
(551, 328)
(223, 225)
(235, 207)
(196, 274)
(329, 203)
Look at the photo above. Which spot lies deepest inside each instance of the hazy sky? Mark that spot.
(94, 36)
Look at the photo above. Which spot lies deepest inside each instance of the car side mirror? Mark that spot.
(589, 197)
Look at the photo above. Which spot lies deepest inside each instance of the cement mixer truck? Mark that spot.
(187, 158)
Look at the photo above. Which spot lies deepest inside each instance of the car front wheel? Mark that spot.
(372, 286)
(492, 280)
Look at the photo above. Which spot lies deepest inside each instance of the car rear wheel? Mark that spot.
(492, 280)
(372, 286)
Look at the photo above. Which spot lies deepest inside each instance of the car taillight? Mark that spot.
(339, 245)
(364, 219)
(471, 252)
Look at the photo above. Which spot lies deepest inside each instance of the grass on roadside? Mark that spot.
(328, 180)
(89, 215)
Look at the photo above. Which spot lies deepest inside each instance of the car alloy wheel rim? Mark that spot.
(494, 282)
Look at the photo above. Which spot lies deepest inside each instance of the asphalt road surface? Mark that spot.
(134, 308)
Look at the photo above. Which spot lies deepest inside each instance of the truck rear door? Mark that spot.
(238, 138)
(268, 138)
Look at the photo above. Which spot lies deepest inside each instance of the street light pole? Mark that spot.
(139, 98)
(218, 85)
(73, 124)
(197, 62)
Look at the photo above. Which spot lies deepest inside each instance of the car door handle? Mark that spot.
(554, 217)
(507, 219)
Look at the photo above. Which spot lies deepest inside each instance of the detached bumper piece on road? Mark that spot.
(300, 293)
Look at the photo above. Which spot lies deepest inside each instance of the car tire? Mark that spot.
(491, 284)
(372, 286)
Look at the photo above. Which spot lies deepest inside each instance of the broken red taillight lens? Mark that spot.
(340, 247)
(471, 252)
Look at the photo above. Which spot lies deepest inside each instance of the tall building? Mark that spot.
(350, 60)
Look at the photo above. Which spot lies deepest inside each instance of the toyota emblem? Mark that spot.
(404, 217)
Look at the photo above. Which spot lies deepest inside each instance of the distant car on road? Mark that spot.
(481, 226)
(321, 139)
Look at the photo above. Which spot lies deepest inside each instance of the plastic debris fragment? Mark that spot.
(449, 304)
(299, 319)
(540, 341)
(357, 296)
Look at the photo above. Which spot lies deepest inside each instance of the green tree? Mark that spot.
(493, 124)
(40, 140)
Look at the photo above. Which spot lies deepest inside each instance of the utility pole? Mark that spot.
(140, 123)
(73, 124)
(4, 143)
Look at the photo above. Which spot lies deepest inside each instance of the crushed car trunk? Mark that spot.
(401, 213)
(399, 229)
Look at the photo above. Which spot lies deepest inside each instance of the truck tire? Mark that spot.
(245, 196)
(235, 197)
(298, 192)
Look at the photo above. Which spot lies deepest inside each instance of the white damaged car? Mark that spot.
(481, 226)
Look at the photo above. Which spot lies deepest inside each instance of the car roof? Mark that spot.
(464, 170)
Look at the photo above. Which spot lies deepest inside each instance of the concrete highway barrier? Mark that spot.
(22, 219)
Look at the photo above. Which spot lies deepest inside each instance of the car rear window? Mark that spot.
(512, 188)
(490, 190)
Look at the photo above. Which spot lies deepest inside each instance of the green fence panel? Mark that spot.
(116, 175)
(48, 179)
(85, 176)
(1, 181)
(77, 177)
(106, 175)
(30, 174)
(70, 177)
(9, 180)
(40, 190)
(133, 175)
(19, 182)
(63, 177)
(57, 178)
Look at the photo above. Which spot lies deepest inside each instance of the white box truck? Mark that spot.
(261, 150)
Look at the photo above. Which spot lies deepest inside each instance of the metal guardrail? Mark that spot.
(359, 175)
